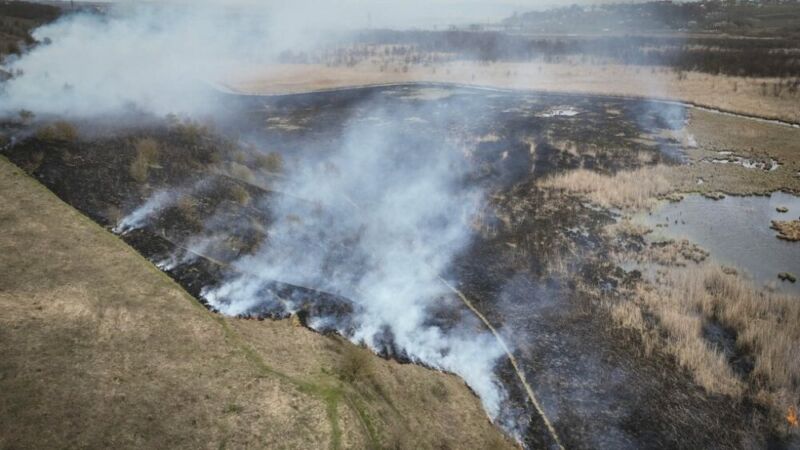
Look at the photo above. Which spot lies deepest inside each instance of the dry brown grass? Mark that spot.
(673, 301)
(767, 326)
(632, 190)
(100, 349)
(744, 138)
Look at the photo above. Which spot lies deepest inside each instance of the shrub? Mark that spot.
(58, 131)
(241, 172)
(25, 116)
(355, 365)
(192, 132)
(239, 194)
(147, 151)
(270, 162)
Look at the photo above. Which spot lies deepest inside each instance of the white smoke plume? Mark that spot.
(381, 222)
(139, 217)
(160, 57)
(154, 59)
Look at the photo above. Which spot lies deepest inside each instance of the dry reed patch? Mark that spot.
(788, 230)
(676, 326)
(766, 326)
(631, 190)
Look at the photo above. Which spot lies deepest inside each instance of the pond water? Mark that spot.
(736, 230)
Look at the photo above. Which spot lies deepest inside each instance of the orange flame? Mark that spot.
(791, 416)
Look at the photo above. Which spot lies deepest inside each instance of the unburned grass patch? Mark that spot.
(634, 189)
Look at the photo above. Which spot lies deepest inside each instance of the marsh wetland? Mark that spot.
(543, 259)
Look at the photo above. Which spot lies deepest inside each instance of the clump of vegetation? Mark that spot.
(788, 230)
(191, 132)
(25, 116)
(241, 172)
(786, 276)
(439, 391)
(147, 151)
(113, 214)
(187, 208)
(635, 189)
(673, 253)
(355, 365)
(271, 162)
(239, 194)
(233, 408)
(60, 131)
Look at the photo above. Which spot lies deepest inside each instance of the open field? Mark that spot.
(736, 94)
(100, 349)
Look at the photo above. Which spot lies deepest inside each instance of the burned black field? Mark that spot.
(200, 201)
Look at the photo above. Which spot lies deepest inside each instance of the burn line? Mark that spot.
(511, 358)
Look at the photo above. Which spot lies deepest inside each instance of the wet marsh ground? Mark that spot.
(542, 264)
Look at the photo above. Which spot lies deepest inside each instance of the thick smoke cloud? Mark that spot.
(381, 219)
(155, 59)
(160, 57)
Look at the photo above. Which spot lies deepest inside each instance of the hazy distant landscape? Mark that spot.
(287, 226)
